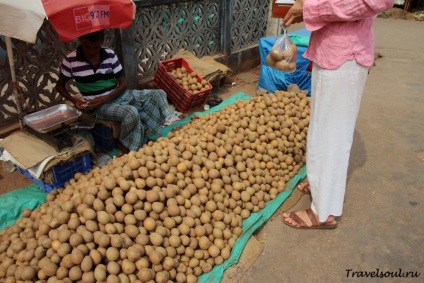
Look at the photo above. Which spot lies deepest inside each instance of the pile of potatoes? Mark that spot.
(170, 211)
(189, 80)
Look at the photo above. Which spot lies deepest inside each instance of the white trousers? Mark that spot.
(335, 101)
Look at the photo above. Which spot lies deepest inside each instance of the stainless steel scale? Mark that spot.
(54, 124)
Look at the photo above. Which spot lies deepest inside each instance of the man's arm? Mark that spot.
(99, 101)
(61, 88)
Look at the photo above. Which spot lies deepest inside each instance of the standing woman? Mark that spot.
(341, 48)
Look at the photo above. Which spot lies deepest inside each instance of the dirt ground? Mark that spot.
(11, 181)
(400, 14)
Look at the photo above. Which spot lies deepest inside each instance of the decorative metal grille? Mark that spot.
(250, 18)
(161, 31)
(36, 69)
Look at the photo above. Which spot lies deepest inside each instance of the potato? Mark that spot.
(277, 54)
(270, 61)
(282, 65)
(292, 67)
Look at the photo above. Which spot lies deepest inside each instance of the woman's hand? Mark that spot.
(295, 14)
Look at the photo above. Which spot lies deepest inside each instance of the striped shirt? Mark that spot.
(92, 82)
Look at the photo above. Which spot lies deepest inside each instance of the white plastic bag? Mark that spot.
(283, 54)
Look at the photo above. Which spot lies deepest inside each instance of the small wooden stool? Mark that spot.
(91, 119)
(115, 126)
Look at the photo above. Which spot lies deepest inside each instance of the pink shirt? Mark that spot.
(341, 30)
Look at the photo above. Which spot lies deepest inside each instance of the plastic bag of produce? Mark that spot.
(282, 55)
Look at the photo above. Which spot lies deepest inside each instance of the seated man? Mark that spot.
(99, 77)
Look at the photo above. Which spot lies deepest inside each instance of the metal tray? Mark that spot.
(52, 118)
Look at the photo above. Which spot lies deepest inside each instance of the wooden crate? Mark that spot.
(280, 10)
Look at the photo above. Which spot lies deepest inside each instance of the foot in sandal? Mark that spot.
(307, 219)
(304, 187)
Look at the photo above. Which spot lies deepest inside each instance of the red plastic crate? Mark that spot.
(181, 98)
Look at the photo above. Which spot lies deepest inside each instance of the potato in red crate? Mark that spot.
(184, 87)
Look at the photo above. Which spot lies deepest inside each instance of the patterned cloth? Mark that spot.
(138, 111)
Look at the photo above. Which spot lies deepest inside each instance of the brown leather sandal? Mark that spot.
(314, 220)
(304, 187)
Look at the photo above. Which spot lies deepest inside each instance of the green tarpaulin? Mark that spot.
(13, 203)
(300, 40)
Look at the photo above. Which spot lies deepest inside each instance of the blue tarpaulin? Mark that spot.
(272, 79)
